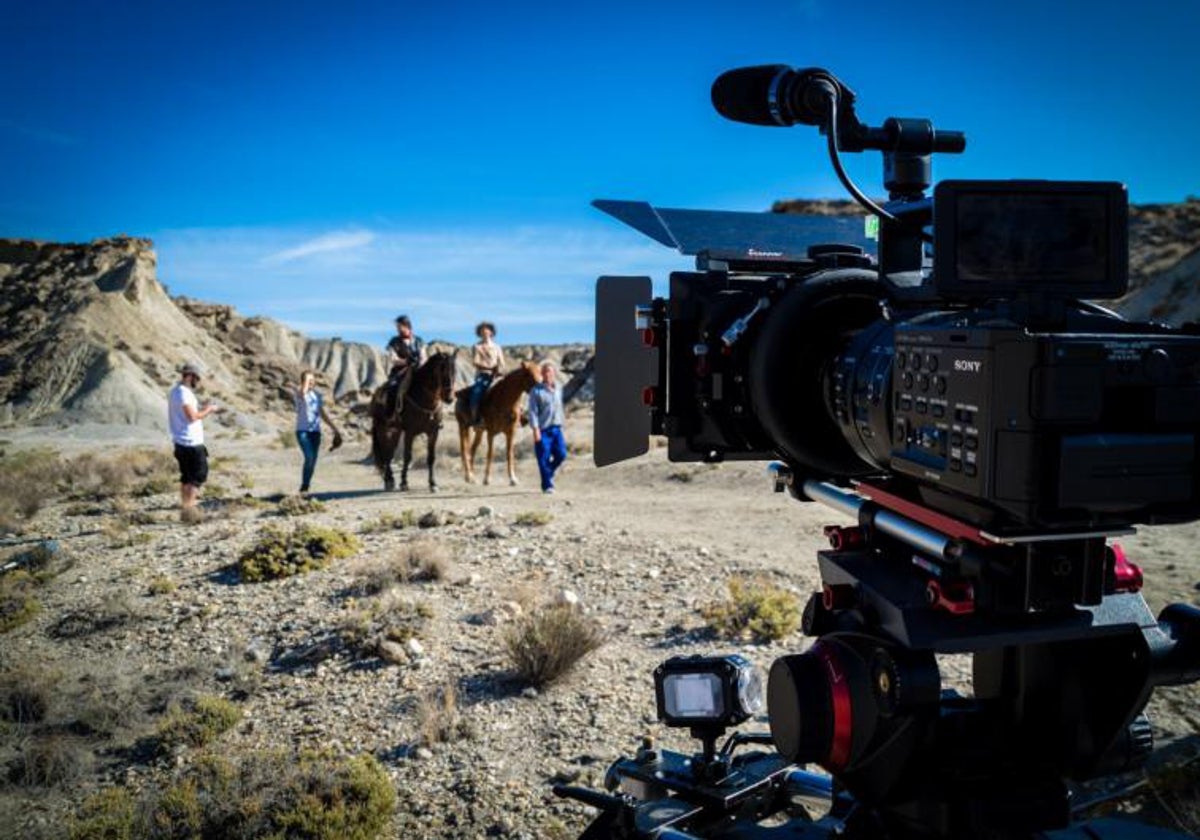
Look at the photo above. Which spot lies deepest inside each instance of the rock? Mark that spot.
(502, 613)
(256, 652)
(486, 511)
(225, 674)
(392, 652)
(529, 692)
(494, 533)
(567, 598)
(423, 753)
(432, 519)
(414, 648)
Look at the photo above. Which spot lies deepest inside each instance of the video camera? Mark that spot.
(986, 428)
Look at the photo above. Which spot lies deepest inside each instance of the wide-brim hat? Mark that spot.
(192, 367)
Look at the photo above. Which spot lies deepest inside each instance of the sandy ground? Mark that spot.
(643, 545)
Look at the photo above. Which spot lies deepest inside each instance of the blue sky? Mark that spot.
(334, 164)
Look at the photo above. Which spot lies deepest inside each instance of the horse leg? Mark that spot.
(408, 444)
(476, 439)
(464, 443)
(487, 469)
(510, 447)
(431, 456)
(381, 452)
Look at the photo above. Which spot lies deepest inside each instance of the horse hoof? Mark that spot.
(389, 485)
(512, 482)
(403, 488)
(432, 488)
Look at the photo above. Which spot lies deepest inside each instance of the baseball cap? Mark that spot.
(192, 367)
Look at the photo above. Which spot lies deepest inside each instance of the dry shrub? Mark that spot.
(755, 609)
(17, 601)
(391, 617)
(279, 554)
(251, 795)
(26, 693)
(115, 609)
(299, 505)
(533, 518)
(439, 718)
(415, 562)
(52, 759)
(161, 585)
(545, 645)
(390, 522)
(118, 534)
(142, 472)
(28, 481)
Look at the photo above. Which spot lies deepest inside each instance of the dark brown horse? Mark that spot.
(420, 413)
(498, 413)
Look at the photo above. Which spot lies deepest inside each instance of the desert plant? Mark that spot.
(388, 618)
(287, 440)
(161, 585)
(197, 723)
(417, 561)
(390, 522)
(28, 481)
(545, 645)
(258, 794)
(755, 609)
(26, 693)
(533, 518)
(17, 601)
(299, 505)
(279, 554)
(52, 759)
(439, 718)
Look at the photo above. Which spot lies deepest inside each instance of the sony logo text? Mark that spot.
(967, 366)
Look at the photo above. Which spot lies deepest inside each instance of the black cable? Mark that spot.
(835, 156)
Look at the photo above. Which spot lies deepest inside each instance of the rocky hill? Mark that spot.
(89, 335)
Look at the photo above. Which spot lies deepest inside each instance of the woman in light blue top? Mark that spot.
(310, 411)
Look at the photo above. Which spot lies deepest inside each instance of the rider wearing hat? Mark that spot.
(488, 358)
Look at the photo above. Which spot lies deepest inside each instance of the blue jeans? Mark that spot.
(478, 389)
(310, 445)
(550, 450)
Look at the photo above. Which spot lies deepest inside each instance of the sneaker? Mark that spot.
(548, 490)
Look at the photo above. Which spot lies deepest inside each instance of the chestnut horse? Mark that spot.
(420, 414)
(498, 413)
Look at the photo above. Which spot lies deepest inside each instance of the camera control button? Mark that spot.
(940, 384)
(908, 380)
(937, 410)
(955, 465)
(956, 438)
(923, 382)
(931, 363)
(971, 442)
(970, 469)
(906, 402)
(922, 405)
(901, 359)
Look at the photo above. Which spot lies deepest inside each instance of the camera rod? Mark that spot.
(908, 531)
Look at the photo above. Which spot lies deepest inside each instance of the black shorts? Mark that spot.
(193, 464)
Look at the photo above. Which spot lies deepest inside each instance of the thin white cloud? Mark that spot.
(536, 283)
(324, 244)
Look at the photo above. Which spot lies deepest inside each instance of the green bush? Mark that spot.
(275, 795)
(546, 644)
(198, 723)
(278, 554)
(28, 481)
(755, 610)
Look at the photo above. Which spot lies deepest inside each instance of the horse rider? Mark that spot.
(488, 358)
(406, 353)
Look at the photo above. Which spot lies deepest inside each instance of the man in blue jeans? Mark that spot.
(546, 419)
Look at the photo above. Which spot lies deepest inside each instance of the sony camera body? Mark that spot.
(937, 375)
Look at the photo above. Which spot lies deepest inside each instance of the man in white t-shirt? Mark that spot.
(185, 416)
